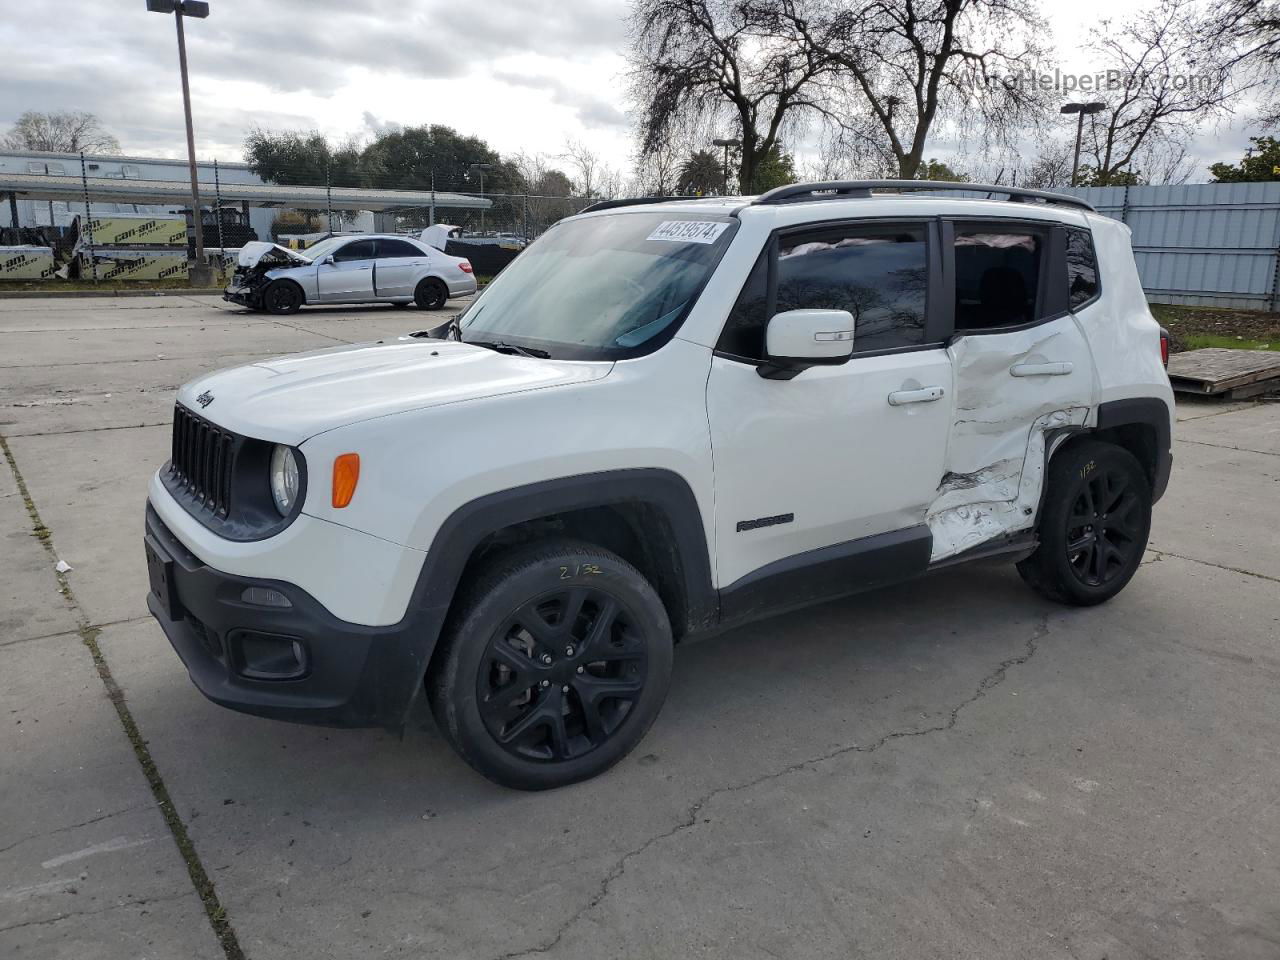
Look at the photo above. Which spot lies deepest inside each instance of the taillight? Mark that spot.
(464, 266)
(1164, 347)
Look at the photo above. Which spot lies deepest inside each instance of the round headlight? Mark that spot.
(284, 479)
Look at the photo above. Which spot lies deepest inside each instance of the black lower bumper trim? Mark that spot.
(356, 676)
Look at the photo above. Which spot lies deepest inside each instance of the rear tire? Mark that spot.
(282, 297)
(553, 666)
(430, 294)
(1094, 525)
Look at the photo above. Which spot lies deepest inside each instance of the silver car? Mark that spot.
(365, 268)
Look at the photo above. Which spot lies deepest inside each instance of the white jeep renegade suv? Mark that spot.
(663, 418)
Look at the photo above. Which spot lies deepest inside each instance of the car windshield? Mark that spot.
(324, 247)
(601, 287)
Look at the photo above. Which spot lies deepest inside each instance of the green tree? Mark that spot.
(407, 159)
(937, 170)
(775, 169)
(303, 158)
(1260, 163)
(1092, 177)
(702, 174)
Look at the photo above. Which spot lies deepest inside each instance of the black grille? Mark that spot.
(202, 461)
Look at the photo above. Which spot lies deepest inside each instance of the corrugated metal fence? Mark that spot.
(1208, 244)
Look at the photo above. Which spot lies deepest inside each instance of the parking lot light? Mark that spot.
(1081, 109)
(200, 274)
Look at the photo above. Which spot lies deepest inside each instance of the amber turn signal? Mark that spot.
(346, 474)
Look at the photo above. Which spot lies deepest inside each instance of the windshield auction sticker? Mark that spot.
(689, 231)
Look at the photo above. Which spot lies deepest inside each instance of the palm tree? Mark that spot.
(701, 175)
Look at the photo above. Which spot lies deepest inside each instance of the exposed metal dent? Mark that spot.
(999, 499)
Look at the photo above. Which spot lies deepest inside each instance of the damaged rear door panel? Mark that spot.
(1023, 372)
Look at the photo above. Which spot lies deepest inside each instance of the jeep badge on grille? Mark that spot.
(204, 399)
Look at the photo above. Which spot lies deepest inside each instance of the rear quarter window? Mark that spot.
(1082, 268)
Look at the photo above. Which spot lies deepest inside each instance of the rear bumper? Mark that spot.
(462, 288)
(346, 674)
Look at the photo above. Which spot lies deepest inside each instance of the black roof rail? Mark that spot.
(844, 189)
(635, 201)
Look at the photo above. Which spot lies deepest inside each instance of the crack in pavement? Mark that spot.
(1223, 446)
(1161, 554)
(63, 433)
(71, 826)
(140, 902)
(991, 680)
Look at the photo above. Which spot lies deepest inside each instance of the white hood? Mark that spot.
(289, 399)
(255, 250)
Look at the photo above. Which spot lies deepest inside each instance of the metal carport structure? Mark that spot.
(34, 186)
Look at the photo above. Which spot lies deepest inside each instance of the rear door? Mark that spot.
(399, 264)
(824, 479)
(1023, 371)
(349, 276)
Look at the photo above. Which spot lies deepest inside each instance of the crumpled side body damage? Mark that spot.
(996, 457)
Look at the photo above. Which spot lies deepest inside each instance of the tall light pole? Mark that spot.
(201, 275)
(1081, 109)
(725, 170)
(481, 168)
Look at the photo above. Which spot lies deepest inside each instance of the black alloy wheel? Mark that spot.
(1104, 527)
(562, 674)
(1093, 524)
(553, 665)
(431, 294)
(282, 297)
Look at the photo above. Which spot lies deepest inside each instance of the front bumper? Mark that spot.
(346, 674)
(244, 296)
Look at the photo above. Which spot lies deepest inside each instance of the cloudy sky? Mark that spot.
(523, 74)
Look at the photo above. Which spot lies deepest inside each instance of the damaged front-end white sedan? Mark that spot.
(364, 268)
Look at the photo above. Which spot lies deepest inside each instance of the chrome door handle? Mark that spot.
(923, 395)
(1058, 368)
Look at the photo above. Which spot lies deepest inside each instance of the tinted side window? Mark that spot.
(997, 276)
(880, 275)
(359, 250)
(743, 334)
(1082, 268)
(398, 248)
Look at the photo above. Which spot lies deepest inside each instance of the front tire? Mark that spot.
(1094, 526)
(430, 294)
(282, 297)
(553, 667)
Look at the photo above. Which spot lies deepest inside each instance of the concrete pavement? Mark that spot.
(952, 768)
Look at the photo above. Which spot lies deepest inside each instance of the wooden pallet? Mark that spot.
(1229, 374)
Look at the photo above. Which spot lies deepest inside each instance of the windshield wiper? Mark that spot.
(511, 348)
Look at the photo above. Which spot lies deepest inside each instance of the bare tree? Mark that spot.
(64, 132)
(593, 177)
(913, 65)
(657, 171)
(1165, 76)
(1052, 168)
(548, 193)
(1248, 32)
(735, 63)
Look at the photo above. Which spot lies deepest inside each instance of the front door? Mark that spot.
(349, 276)
(840, 461)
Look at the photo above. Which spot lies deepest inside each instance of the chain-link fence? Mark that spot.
(113, 218)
